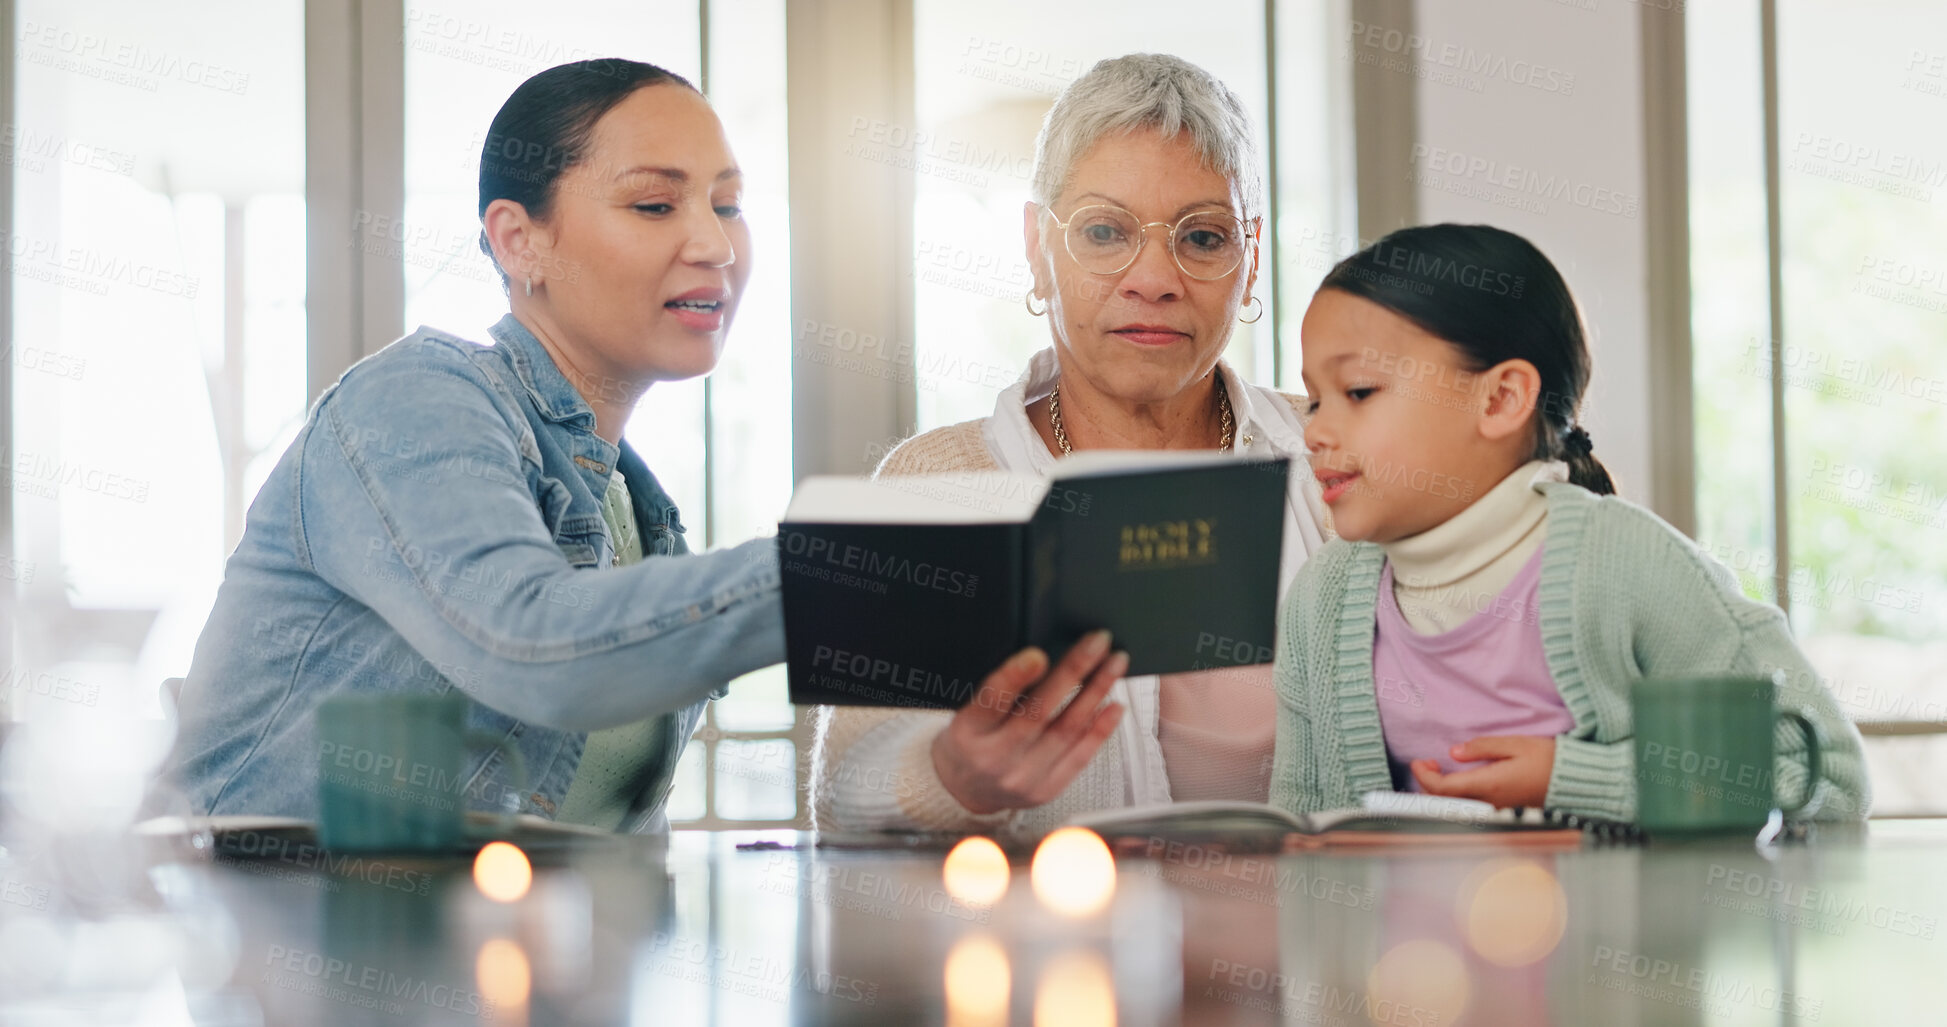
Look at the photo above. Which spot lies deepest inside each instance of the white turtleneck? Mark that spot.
(1447, 573)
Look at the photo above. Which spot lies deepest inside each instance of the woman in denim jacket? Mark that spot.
(435, 522)
(431, 524)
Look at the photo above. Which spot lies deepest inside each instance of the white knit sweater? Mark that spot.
(872, 769)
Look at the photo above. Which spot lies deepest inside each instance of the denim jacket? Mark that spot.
(438, 523)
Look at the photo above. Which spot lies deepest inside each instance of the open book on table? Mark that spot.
(1382, 818)
(909, 591)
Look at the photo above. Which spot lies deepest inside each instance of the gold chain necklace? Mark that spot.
(1061, 437)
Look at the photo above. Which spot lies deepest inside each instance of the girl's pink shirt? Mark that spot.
(1489, 676)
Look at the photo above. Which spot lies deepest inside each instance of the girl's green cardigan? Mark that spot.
(1623, 596)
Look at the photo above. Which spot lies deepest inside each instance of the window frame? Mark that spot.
(1666, 99)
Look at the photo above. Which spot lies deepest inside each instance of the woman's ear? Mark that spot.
(515, 238)
(1512, 388)
(1252, 258)
(1031, 240)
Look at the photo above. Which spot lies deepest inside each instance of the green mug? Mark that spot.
(389, 773)
(1705, 754)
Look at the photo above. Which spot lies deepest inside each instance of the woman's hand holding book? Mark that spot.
(1014, 745)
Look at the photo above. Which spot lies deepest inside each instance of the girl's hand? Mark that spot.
(1518, 775)
(1015, 745)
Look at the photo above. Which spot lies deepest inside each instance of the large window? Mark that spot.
(157, 266)
(1818, 433)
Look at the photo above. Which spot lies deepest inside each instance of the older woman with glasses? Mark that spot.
(1142, 237)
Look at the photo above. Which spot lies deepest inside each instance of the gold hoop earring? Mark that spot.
(530, 285)
(1260, 312)
(1028, 302)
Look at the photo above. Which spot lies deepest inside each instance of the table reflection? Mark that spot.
(698, 931)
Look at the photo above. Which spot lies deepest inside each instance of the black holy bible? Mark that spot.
(910, 591)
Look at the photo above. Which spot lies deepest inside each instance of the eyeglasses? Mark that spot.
(1105, 239)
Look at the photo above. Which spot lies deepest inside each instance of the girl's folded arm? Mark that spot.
(1844, 791)
(1724, 632)
(1593, 779)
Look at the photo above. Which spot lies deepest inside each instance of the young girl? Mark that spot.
(1476, 628)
